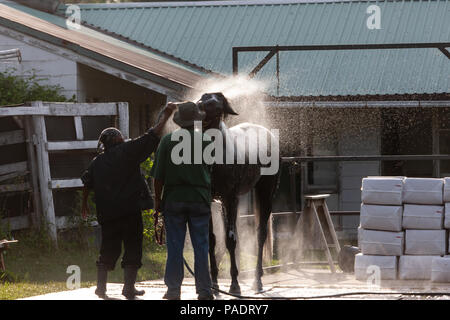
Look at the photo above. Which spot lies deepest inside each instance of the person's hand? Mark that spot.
(170, 108)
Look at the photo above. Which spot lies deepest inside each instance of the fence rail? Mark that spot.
(37, 166)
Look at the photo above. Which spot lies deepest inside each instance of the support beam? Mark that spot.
(383, 46)
(36, 215)
(16, 223)
(10, 54)
(15, 187)
(445, 52)
(441, 46)
(429, 157)
(124, 120)
(44, 173)
(12, 137)
(435, 142)
(13, 167)
(23, 222)
(13, 175)
(66, 222)
(62, 109)
(72, 145)
(262, 63)
(80, 109)
(67, 183)
(78, 127)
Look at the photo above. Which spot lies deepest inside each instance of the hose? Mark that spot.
(337, 295)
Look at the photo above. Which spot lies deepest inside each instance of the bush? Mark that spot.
(15, 89)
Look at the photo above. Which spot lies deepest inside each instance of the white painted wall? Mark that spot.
(56, 69)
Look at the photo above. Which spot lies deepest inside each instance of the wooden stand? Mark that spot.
(317, 229)
(3, 247)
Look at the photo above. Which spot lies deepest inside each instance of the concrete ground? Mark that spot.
(286, 284)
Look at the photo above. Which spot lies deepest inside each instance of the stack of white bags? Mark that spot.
(403, 228)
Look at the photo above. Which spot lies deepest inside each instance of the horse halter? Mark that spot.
(211, 106)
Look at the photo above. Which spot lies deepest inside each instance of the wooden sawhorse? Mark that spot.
(317, 229)
(4, 244)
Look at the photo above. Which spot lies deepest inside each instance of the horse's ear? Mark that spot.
(226, 106)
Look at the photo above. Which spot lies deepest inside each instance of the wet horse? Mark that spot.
(230, 179)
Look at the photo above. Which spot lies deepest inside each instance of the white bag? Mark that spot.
(387, 218)
(423, 190)
(384, 243)
(447, 216)
(425, 242)
(360, 231)
(440, 269)
(416, 216)
(446, 196)
(382, 190)
(415, 267)
(366, 265)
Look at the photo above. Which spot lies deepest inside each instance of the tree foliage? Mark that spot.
(15, 89)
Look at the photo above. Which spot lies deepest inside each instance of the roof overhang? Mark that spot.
(360, 104)
(159, 75)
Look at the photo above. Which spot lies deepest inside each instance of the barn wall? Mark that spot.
(362, 136)
(144, 104)
(55, 69)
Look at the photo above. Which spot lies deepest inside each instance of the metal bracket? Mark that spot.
(276, 49)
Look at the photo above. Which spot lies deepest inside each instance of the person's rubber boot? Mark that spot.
(102, 277)
(129, 276)
(172, 294)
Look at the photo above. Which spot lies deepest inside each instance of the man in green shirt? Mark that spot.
(184, 181)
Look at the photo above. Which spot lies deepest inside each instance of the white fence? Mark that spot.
(33, 132)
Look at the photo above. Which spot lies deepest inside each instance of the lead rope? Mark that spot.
(159, 229)
(159, 237)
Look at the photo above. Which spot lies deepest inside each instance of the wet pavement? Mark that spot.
(285, 285)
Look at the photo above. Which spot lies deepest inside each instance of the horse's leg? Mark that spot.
(212, 255)
(265, 189)
(231, 205)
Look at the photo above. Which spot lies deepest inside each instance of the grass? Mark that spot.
(35, 268)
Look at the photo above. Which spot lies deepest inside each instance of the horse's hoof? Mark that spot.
(215, 287)
(235, 289)
(257, 286)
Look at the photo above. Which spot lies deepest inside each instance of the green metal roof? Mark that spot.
(203, 34)
(100, 46)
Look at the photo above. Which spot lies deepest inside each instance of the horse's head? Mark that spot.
(216, 107)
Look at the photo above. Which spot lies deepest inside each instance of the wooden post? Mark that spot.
(44, 173)
(124, 120)
(78, 128)
(32, 167)
(435, 140)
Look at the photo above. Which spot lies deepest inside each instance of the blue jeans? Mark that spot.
(196, 215)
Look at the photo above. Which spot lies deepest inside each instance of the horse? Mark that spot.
(230, 179)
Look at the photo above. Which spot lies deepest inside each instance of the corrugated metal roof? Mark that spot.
(203, 33)
(99, 46)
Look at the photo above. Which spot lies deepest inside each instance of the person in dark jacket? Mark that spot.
(118, 185)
